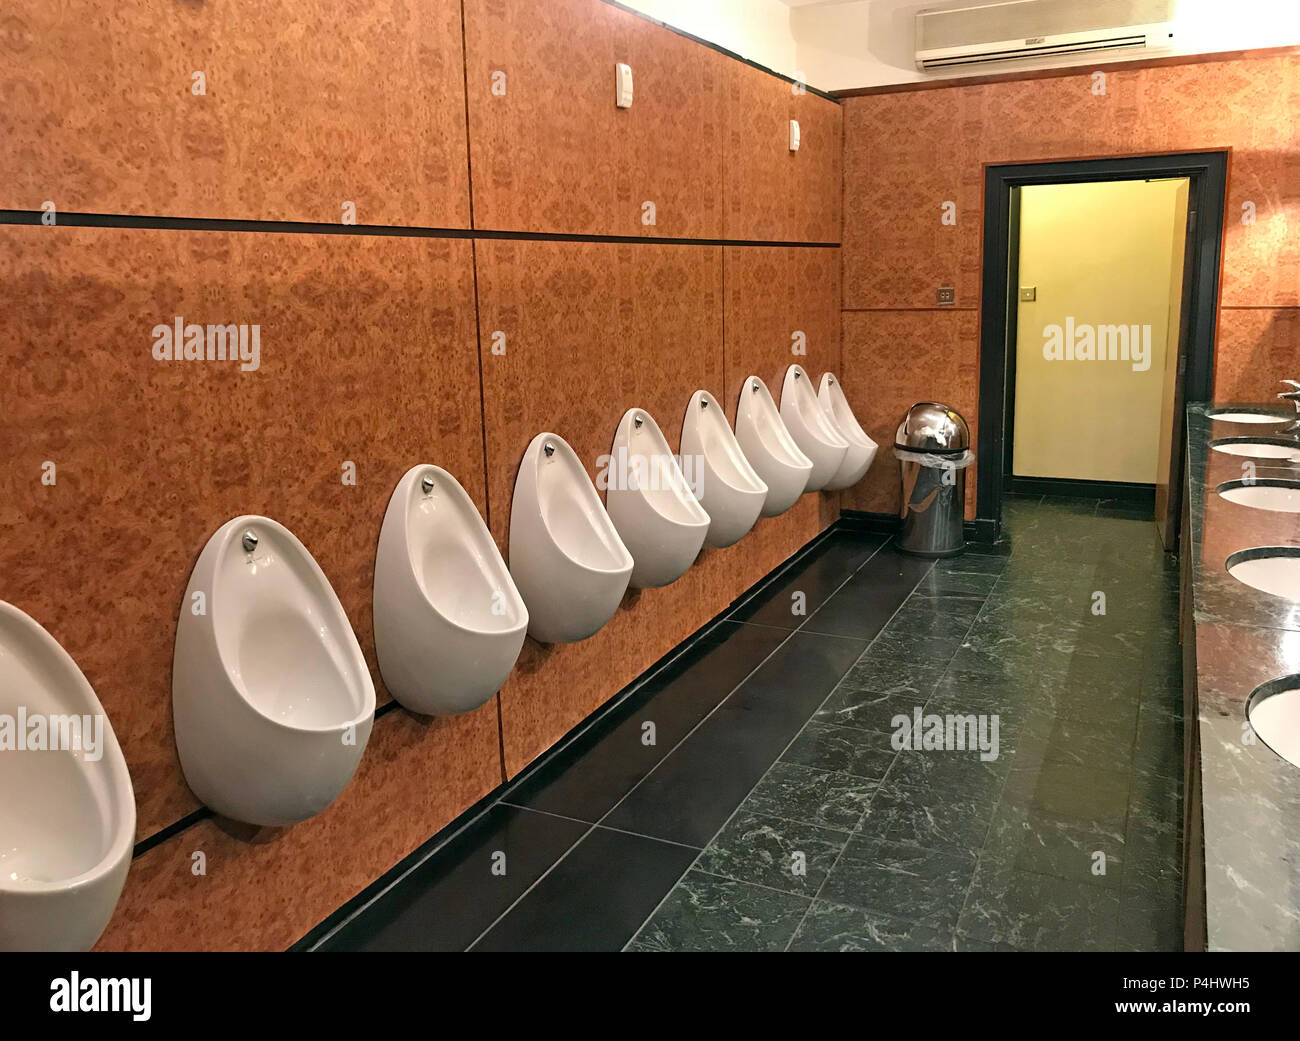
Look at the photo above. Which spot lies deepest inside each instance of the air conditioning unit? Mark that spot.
(1015, 30)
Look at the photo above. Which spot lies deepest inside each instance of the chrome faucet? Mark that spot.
(1292, 395)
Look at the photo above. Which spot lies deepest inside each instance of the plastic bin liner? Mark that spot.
(934, 461)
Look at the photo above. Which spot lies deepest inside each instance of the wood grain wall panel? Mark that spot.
(1261, 244)
(554, 154)
(817, 177)
(774, 292)
(266, 888)
(906, 151)
(893, 359)
(669, 143)
(757, 163)
(307, 106)
(900, 169)
(367, 355)
(543, 145)
(593, 329)
(1257, 348)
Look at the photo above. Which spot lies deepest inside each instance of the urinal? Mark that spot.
(862, 450)
(271, 699)
(813, 431)
(449, 622)
(567, 560)
(67, 810)
(653, 508)
(729, 490)
(770, 449)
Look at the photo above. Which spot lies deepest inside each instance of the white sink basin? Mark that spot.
(1231, 416)
(1263, 494)
(1273, 570)
(1258, 448)
(1274, 714)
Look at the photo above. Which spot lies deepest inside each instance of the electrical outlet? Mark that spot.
(945, 296)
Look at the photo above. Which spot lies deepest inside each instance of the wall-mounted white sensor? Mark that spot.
(794, 135)
(623, 85)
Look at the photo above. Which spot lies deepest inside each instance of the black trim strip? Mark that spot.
(175, 828)
(977, 531)
(122, 220)
(721, 50)
(1144, 494)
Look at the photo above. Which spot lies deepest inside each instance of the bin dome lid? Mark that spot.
(932, 427)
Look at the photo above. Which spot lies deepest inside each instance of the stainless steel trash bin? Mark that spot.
(933, 448)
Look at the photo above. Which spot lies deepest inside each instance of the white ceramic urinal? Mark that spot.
(862, 450)
(770, 449)
(652, 507)
(567, 560)
(814, 433)
(271, 698)
(449, 622)
(67, 810)
(729, 490)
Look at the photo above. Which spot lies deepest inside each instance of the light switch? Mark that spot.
(623, 85)
(794, 135)
(1028, 294)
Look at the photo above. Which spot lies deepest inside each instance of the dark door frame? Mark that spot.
(1207, 174)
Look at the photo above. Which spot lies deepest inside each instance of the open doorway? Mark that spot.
(1100, 288)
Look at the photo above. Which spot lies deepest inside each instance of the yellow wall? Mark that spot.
(1099, 254)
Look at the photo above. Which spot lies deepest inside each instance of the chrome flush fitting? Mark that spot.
(549, 449)
(249, 541)
(426, 483)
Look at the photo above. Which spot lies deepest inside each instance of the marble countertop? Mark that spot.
(1244, 638)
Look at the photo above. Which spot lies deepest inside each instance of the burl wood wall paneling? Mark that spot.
(938, 140)
(757, 162)
(266, 888)
(817, 180)
(780, 297)
(906, 153)
(308, 105)
(551, 151)
(777, 297)
(773, 194)
(902, 166)
(1257, 347)
(368, 355)
(893, 359)
(670, 141)
(591, 330)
